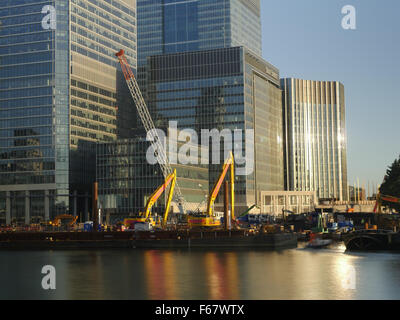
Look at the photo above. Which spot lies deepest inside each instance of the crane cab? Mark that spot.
(129, 223)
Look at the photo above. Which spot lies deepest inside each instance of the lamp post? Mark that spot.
(205, 197)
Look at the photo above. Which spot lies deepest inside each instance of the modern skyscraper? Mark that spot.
(315, 137)
(58, 97)
(228, 88)
(199, 64)
(172, 26)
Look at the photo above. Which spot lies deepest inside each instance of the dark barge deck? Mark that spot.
(146, 239)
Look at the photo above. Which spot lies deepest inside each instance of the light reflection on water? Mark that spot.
(202, 274)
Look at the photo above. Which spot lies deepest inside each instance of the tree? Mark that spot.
(391, 185)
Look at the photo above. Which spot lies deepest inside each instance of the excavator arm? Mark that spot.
(156, 194)
(390, 199)
(229, 164)
(170, 195)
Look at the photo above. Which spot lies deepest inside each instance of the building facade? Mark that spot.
(284, 202)
(58, 97)
(191, 70)
(126, 179)
(224, 89)
(315, 137)
(172, 26)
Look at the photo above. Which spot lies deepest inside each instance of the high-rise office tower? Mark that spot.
(224, 89)
(171, 26)
(315, 137)
(199, 63)
(58, 97)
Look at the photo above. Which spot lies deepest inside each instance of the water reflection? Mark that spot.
(344, 269)
(160, 274)
(202, 274)
(222, 275)
(233, 276)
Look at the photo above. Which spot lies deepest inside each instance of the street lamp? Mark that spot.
(205, 197)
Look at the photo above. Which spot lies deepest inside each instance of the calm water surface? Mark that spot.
(201, 274)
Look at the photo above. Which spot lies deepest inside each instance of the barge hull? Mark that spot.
(272, 241)
(154, 240)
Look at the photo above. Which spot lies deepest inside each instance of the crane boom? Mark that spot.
(159, 191)
(229, 163)
(145, 216)
(208, 219)
(148, 123)
(171, 193)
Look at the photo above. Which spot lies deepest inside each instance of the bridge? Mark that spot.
(372, 240)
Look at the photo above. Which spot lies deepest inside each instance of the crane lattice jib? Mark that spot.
(147, 121)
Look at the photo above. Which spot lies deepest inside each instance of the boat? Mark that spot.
(319, 243)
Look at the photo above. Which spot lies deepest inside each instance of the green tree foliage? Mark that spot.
(391, 184)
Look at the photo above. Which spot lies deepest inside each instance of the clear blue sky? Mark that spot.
(305, 39)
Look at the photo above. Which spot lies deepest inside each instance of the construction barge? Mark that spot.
(147, 239)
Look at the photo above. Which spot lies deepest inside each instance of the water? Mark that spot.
(202, 274)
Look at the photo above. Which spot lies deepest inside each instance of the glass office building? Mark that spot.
(58, 96)
(315, 137)
(191, 69)
(126, 179)
(172, 26)
(229, 88)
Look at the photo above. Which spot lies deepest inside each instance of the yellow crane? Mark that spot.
(208, 219)
(145, 216)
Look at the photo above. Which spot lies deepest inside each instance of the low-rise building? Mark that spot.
(277, 202)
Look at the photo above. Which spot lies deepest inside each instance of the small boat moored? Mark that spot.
(319, 243)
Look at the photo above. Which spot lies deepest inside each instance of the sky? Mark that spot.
(305, 39)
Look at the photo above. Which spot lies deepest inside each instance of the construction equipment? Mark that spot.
(208, 219)
(144, 217)
(248, 210)
(64, 220)
(379, 198)
(170, 195)
(148, 123)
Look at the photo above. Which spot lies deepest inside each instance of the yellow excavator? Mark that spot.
(145, 216)
(64, 220)
(208, 219)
